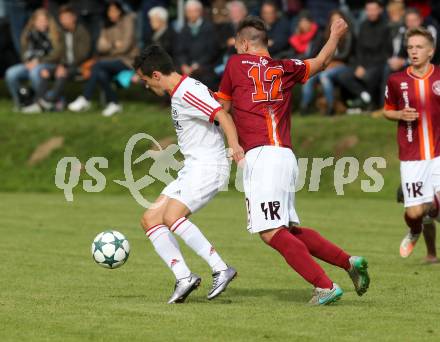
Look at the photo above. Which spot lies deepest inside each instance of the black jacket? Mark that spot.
(200, 48)
(374, 44)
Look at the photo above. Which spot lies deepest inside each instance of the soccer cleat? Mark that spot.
(220, 281)
(80, 104)
(326, 296)
(407, 244)
(184, 287)
(359, 274)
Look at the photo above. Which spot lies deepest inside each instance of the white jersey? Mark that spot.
(193, 110)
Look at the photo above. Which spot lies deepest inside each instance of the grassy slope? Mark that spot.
(89, 134)
(52, 290)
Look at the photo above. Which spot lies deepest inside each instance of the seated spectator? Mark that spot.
(76, 48)
(363, 80)
(278, 30)
(40, 46)
(337, 66)
(306, 41)
(162, 35)
(196, 48)
(116, 49)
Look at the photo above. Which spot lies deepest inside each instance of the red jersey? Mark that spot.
(260, 89)
(420, 139)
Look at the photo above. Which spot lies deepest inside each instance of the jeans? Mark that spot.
(18, 14)
(17, 73)
(102, 74)
(327, 79)
(56, 93)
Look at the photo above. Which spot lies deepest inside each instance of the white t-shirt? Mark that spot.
(193, 110)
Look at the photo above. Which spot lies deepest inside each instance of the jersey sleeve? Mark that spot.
(297, 70)
(201, 103)
(391, 100)
(225, 88)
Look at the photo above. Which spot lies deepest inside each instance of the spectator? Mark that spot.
(76, 48)
(277, 29)
(163, 35)
(306, 40)
(337, 66)
(236, 12)
(363, 80)
(40, 46)
(196, 48)
(320, 10)
(116, 51)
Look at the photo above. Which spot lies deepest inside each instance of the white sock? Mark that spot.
(194, 238)
(168, 249)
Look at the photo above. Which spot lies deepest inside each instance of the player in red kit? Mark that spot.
(412, 98)
(258, 88)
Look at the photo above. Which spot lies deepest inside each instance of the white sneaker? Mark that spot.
(80, 104)
(31, 109)
(111, 109)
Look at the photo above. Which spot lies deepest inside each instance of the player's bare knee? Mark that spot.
(150, 218)
(415, 212)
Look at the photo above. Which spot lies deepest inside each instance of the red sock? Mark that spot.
(299, 258)
(321, 248)
(415, 225)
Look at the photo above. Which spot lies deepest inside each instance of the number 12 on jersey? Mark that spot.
(272, 75)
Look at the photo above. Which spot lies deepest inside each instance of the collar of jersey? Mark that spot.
(259, 54)
(425, 76)
(178, 85)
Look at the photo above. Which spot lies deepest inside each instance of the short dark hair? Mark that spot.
(253, 29)
(378, 2)
(67, 9)
(413, 10)
(154, 58)
(420, 31)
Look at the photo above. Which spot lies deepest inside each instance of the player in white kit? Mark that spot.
(199, 121)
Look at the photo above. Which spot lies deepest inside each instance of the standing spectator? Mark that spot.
(40, 46)
(363, 80)
(76, 48)
(337, 66)
(163, 35)
(278, 29)
(306, 40)
(320, 10)
(196, 48)
(116, 50)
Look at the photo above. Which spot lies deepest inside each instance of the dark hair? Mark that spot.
(420, 31)
(413, 10)
(378, 2)
(67, 9)
(118, 4)
(253, 29)
(154, 58)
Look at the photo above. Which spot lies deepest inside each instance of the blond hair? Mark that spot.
(53, 32)
(420, 31)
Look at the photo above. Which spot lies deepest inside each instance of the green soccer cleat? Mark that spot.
(359, 274)
(326, 296)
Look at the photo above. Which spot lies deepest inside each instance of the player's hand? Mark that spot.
(237, 153)
(338, 28)
(409, 114)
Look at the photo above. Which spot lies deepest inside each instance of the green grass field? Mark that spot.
(51, 290)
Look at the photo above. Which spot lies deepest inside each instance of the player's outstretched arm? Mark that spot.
(407, 114)
(320, 62)
(228, 126)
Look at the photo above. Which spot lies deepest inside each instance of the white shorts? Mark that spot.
(420, 180)
(269, 181)
(197, 184)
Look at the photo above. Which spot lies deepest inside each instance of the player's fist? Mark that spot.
(409, 114)
(338, 28)
(237, 153)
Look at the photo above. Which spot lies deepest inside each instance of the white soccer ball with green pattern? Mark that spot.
(110, 249)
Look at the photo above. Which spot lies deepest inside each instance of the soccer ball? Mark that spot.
(110, 249)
